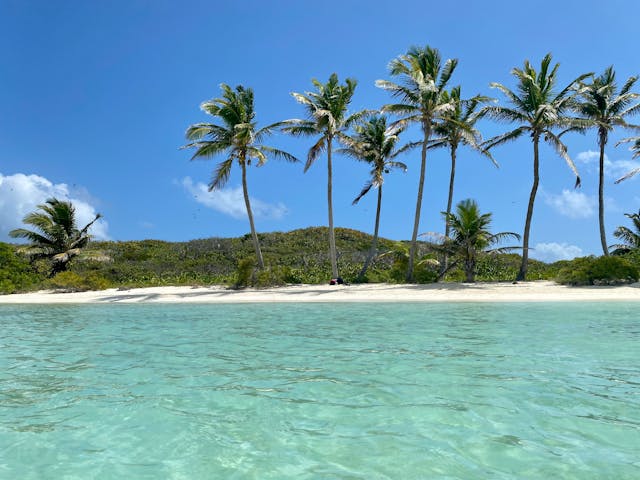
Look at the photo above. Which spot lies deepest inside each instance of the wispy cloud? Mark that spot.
(552, 252)
(612, 168)
(20, 194)
(230, 201)
(571, 204)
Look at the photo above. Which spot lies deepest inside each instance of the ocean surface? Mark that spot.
(320, 391)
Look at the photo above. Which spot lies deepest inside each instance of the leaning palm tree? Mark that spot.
(630, 239)
(56, 236)
(470, 236)
(538, 109)
(238, 138)
(327, 117)
(423, 78)
(458, 128)
(604, 107)
(375, 144)
(635, 148)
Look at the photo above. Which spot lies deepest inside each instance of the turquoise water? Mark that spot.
(327, 391)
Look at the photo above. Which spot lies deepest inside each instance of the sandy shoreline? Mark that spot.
(538, 291)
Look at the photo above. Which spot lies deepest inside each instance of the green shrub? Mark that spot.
(608, 270)
(16, 275)
(245, 272)
(72, 282)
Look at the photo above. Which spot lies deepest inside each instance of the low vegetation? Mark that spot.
(605, 270)
(299, 256)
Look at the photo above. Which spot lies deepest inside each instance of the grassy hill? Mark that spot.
(299, 256)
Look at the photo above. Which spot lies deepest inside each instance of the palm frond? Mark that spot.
(221, 175)
(363, 192)
(561, 149)
(315, 151)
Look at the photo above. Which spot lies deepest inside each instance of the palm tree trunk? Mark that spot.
(254, 235)
(470, 270)
(374, 242)
(426, 128)
(447, 226)
(522, 274)
(332, 236)
(603, 236)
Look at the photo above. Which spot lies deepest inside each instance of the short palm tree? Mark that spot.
(538, 109)
(630, 239)
(327, 118)
(604, 107)
(423, 79)
(458, 128)
(238, 138)
(375, 144)
(635, 148)
(56, 235)
(470, 235)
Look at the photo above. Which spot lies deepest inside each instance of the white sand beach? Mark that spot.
(536, 291)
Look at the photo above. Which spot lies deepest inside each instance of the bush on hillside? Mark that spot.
(16, 274)
(72, 282)
(609, 270)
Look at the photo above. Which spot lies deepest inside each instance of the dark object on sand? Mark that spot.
(337, 281)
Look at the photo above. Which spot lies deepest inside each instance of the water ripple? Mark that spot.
(320, 391)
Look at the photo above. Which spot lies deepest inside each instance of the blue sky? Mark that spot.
(95, 98)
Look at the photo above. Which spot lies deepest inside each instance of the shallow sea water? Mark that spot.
(326, 391)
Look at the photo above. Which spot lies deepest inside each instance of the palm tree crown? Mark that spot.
(537, 109)
(327, 117)
(375, 143)
(238, 137)
(604, 107)
(423, 80)
(470, 235)
(56, 234)
(629, 237)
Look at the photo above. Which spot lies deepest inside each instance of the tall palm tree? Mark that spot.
(423, 78)
(375, 144)
(635, 148)
(56, 236)
(458, 128)
(327, 117)
(470, 235)
(238, 138)
(604, 107)
(630, 239)
(538, 109)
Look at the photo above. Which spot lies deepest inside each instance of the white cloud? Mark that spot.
(571, 203)
(552, 252)
(590, 157)
(612, 168)
(230, 201)
(20, 194)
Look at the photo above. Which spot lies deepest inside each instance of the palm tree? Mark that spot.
(630, 239)
(238, 138)
(56, 236)
(605, 108)
(326, 110)
(538, 109)
(470, 235)
(635, 148)
(458, 128)
(423, 79)
(375, 144)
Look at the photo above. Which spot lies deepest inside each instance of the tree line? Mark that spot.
(421, 95)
